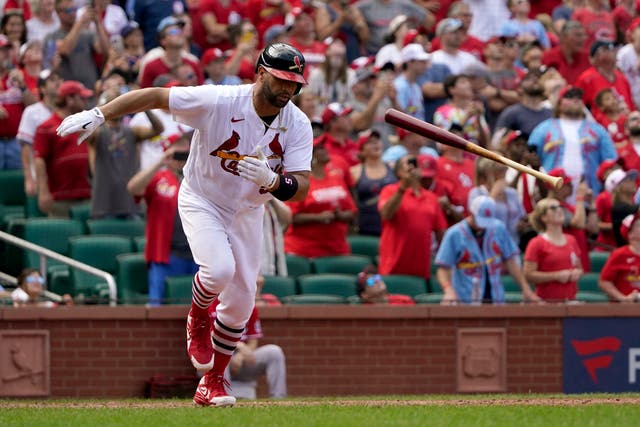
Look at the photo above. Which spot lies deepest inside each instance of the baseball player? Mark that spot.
(250, 144)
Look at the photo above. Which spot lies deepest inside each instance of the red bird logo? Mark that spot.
(229, 158)
(297, 64)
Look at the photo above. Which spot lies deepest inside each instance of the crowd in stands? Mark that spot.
(552, 84)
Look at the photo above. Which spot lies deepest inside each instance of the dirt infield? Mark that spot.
(498, 401)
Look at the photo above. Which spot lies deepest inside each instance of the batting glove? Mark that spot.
(257, 170)
(84, 122)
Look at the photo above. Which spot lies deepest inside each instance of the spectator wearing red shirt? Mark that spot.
(11, 106)
(371, 289)
(62, 166)
(623, 14)
(628, 148)
(604, 204)
(410, 215)
(456, 170)
(172, 54)
(597, 19)
(552, 259)
(612, 114)
(337, 129)
(570, 57)
(166, 251)
(603, 74)
(211, 22)
(620, 276)
(321, 221)
(302, 36)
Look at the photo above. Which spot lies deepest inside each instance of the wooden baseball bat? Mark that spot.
(407, 122)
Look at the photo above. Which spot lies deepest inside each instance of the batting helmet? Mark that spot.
(283, 61)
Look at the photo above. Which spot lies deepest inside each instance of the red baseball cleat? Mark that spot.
(211, 392)
(199, 343)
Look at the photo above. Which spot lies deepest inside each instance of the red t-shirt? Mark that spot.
(67, 162)
(623, 269)
(614, 127)
(550, 257)
(628, 155)
(405, 242)
(161, 197)
(470, 44)
(459, 176)
(157, 67)
(317, 239)
(599, 25)
(230, 14)
(348, 151)
(592, 82)
(10, 100)
(581, 237)
(604, 203)
(555, 58)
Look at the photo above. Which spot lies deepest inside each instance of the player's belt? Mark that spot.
(237, 157)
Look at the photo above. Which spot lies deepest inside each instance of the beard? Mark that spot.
(274, 98)
(535, 91)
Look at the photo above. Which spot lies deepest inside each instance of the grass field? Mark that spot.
(478, 411)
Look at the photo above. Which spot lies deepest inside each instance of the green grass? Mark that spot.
(477, 411)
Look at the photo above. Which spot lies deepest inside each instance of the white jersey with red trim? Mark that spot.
(227, 129)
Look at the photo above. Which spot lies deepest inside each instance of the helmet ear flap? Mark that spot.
(298, 88)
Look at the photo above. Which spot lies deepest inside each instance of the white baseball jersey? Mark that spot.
(228, 128)
(32, 117)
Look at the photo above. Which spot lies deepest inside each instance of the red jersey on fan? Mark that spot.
(623, 269)
(405, 242)
(628, 155)
(592, 82)
(67, 162)
(232, 13)
(555, 58)
(156, 67)
(550, 257)
(10, 100)
(459, 175)
(604, 204)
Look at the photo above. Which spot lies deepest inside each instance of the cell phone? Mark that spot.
(413, 162)
(180, 155)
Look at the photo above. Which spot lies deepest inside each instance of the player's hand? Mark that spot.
(257, 170)
(85, 122)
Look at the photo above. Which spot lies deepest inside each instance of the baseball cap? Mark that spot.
(210, 55)
(617, 176)
(402, 133)
(26, 46)
(634, 24)
(497, 39)
(273, 32)
(427, 165)
(72, 87)
(4, 41)
(366, 136)
(129, 28)
(362, 62)
(596, 45)
(448, 25)
(571, 92)
(362, 74)
(483, 209)
(410, 37)
(333, 110)
(168, 22)
(511, 136)
(559, 172)
(396, 23)
(414, 52)
(604, 167)
(627, 223)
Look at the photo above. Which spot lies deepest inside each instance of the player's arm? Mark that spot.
(303, 185)
(132, 102)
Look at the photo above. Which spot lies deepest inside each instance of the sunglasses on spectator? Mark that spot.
(174, 31)
(371, 280)
(190, 76)
(35, 279)
(69, 10)
(553, 207)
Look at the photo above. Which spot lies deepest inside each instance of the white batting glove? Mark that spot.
(84, 122)
(257, 170)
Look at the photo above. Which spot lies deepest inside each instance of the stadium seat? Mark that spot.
(118, 227)
(598, 259)
(297, 265)
(589, 283)
(13, 257)
(99, 251)
(588, 296)
(434, 298)
(328, 284)
(280, 286)
(405, 285)
(31, 209)
(364, 245)
(354, 300)
(59, 280)
(341, 264)
(314, 299)
(139, 243)
(80, 212)
(510, 284)
(12, 185)
(178, 289)
(51, 233)
(132, 280)
(513, 297)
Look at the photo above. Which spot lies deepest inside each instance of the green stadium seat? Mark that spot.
(328, 284)
(319, 299)
(510, 284)
(588, 296)
(297, 265)
(117, 227)
(178, 289)
(59, 280)
(598, 259)
(13, 257)
(341, 264)
(513, 297)
(280, 286)
(405, 285)
(434, 298)
(139, 243)
(354, 300)
(364, 245)
(12, 185)
(31, 209)
(99, 251)
(589, 283)
(80, 212)
(51, 233)
(132, 281)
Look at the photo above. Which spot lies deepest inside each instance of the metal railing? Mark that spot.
(47, 253)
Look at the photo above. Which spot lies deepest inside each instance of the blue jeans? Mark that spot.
(159, 271)
(10, 157)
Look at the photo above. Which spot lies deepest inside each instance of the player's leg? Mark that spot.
(235, 303)
(209, 243)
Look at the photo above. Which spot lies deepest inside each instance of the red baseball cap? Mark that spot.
(511, 136)
(605, 167)
(211, 55)
(333, 110)
(366, 137)
(634, 24)
(571, 92)
(72, 87)
(410, 37)
(626, 225)
(559, 172)
(402, 133)
(427, 165)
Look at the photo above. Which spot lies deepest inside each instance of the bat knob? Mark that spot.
(557, 182)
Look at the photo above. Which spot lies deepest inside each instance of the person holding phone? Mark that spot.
(166, 251)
